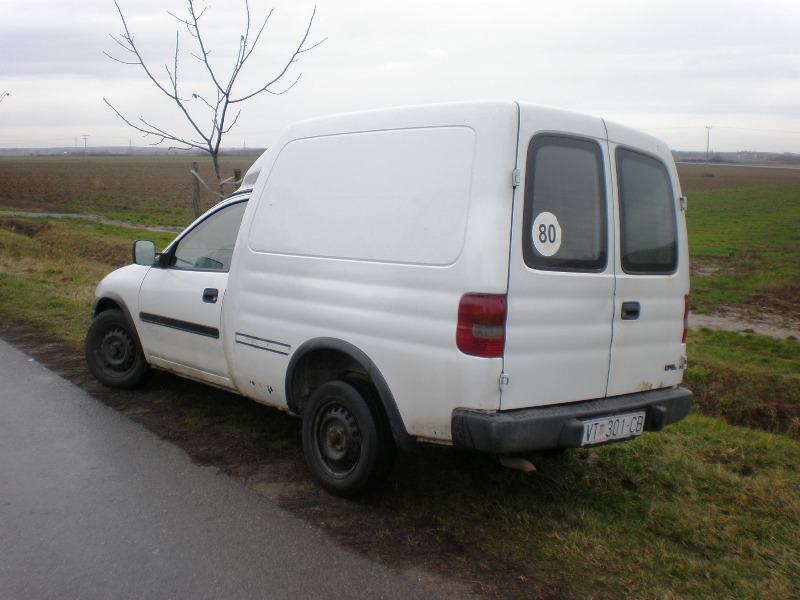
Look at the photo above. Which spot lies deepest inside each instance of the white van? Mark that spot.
(493, 275)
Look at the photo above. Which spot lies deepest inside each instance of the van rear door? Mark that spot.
(561, 270)
(652, 266)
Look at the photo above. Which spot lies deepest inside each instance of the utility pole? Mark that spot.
(85, 137)
(708, 141)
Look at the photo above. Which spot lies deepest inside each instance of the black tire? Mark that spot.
(347, 441)
(113, 353)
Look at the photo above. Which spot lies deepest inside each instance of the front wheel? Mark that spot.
(346, 441)
(113, 353)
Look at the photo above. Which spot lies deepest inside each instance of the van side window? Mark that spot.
(209, 246)
(565, 205)
(647, 214)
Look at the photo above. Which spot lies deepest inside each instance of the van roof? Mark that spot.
(455, 113)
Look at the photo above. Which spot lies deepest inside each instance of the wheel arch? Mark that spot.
(350, 354)
(113, 301)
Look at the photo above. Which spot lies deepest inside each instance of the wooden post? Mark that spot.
(195, 191)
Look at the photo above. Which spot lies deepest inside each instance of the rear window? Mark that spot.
(565, 199)
(647, 214)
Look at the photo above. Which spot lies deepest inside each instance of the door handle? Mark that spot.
(630, 311)
(210, 295)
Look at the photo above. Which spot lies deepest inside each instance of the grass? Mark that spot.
(703, 509)
(747, 352)
(747, 379)
(144, 211)
(49, 269)
(745, 249)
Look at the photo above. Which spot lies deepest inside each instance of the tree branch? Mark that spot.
(119, 60)
(174, 96)
(248, 41)
(236, 118)
(121, 45)
(152, 130)
(196, 26)
(258, 35)
(299, 50)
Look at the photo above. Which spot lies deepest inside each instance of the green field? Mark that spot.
(746, 379)
(707, 509)
(745, 249)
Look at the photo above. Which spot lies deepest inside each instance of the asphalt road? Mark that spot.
(93, 505)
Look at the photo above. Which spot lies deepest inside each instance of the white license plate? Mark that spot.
(614, 427)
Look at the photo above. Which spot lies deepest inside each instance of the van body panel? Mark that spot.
(647, 352)
(173, 319)
(558, 329)
(413, 188)
(399, 309)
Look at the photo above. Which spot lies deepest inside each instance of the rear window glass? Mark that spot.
(647, 214)
(565, 216)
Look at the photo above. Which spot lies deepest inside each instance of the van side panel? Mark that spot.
(445, 174)
(411, 186)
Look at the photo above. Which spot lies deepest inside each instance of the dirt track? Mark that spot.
(773, 326)
(88, 217)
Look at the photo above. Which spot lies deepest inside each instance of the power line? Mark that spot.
(85, 137)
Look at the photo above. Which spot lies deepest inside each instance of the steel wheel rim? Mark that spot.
(337, 439)
(117, 351)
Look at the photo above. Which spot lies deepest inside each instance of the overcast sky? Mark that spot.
(668, 67)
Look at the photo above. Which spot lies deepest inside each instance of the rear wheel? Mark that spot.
(346, 440)
(113, 354)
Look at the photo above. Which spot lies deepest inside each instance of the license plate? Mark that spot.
(613, 427)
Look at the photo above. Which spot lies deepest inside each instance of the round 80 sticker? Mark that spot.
(546, 234)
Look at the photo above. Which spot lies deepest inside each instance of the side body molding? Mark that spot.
(399, 432)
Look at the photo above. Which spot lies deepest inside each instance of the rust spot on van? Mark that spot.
(645, 386)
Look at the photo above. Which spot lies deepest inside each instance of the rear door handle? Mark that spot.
(210, 295)
(630, 311)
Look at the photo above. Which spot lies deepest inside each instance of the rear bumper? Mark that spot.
(561, 425)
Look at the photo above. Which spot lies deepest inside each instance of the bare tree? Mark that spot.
(209, 117)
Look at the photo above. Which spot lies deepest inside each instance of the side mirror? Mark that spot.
(144, 252)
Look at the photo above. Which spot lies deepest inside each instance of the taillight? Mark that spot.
(481, 329)
(685, 319)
